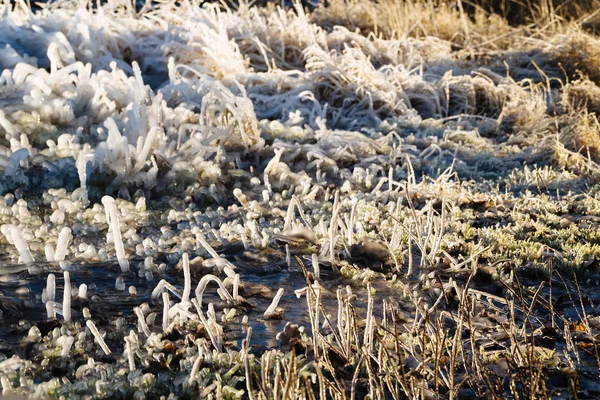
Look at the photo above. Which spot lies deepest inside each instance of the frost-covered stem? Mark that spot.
(187, 287)
(64, 239)
(195, 369)
(204, 282)
(243, 237)
(158, 289)
(162, 284)
(142, 321)
(113, 222)
(92, 327)
(129, 340)
(333, 229)
(49, 252)
(208, 247)
(236, 286)
(50, 310)
(274, 303)
(289, 216)
(216, 340)
(21, 244)
(288, 256)
(367, 337)
(315, 264)
(245, 346)
(51, 287)
(8, 127)
(351, 224)
(165, 321)
(67, 298)
(82, 159)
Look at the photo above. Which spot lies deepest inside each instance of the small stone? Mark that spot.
(565, 223)
(368, 249)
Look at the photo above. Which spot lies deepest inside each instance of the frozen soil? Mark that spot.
(418, 193)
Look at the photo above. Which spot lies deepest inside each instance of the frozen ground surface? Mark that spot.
(427, 202)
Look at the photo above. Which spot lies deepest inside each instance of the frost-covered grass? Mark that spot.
(426, 174)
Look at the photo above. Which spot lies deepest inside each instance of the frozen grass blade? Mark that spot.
(113, 223)
(62, 246)
(67, 297)
(204, 283)
(99, 339)
(51, 287)
(142, 321)
(315, 265)
(21, 244)
(129, 342)
(49, 252)
(187, 280)
(166, 306)
(270, 311)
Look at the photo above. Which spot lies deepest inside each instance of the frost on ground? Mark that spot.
(428, 192)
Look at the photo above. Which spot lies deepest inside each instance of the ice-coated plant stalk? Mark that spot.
(142, 321)
(195, 369)
(215, 339)
(165, 321)
(230, 272)
(158, 289)
(315, 264)
(6, 231)
(64, 239)
(82, 159)
(271, 310)
(21, 244)
(210, 312)
(289, 216)
(245, 348)
(162, 284)
(236, 286)
(333, 229)
(50, 310)
(207, 246)
(288, 256)
(67, 298)
(49, 252)
(92, 327)
(351, 223)
(129, 340)
(187, 287)
(51, 287)
(113, 223)
(204, 282)
(222, 294)
(243, 236)
(181, 310)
